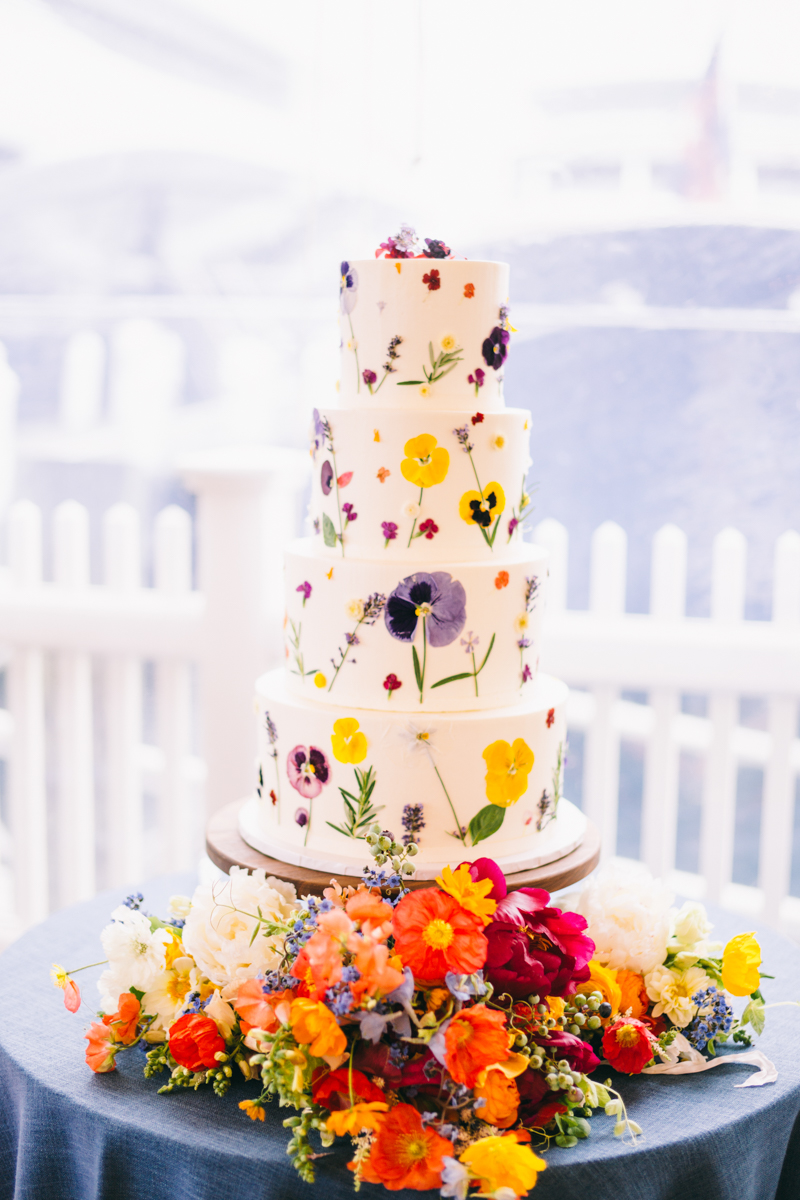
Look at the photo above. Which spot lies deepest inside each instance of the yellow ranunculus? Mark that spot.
(741, 959)
(426, 463)
(469, 893)
(367, 1115)
(315, 1026)
(603, 980)
(477, 509)
(507, 772)
(349, 744)
(502, 1162)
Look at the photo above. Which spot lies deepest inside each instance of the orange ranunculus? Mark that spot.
(628, 1045)
(502, 1098)
(256, 1008)
(634, 998)
(404, 1153)
(333, 1089)
(100, 1052)
(124, 1021)
(434, 935)
(368, 909)
(194, 1042)
(476, 1038)
(372, 960)
(360, 1116)
(315, 1026)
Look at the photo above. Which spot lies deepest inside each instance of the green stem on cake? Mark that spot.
(355, 352)
(419, 672)
(308, 822)
(489, 540)
(348, 644)
(414, 526)
(277, 784)
(338, 502)
(450, 802)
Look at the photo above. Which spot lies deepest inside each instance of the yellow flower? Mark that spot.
(522, 622)
(253, 1108)
(741, 959)
(360, 1116)
(497, 442)
(470, 894)
(556, 1006)
(329, 574)
(355, 610)
(315, 1026)
(448, 342)
(502, 1162)
(59, 976)
(477, 509)
(604, 980)
(507, 772)
(426, 463)
(319, 680)
(349, 744)
(376, 435)
(425, 391)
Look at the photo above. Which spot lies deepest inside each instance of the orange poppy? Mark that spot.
(404, 1153)
(502, 1099)
(100, 1052)
(333, 1089)
(257, 1010)
(365, 907)
(371, 959)
(124, 1021)
(476, 1038)
(434, 935)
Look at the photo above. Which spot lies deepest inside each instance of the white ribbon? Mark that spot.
(685, 1060)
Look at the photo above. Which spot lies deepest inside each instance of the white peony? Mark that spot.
(220, 925)
(672, 992)
(136, 954)
(628, 913)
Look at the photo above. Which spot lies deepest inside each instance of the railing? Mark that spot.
(667, 654)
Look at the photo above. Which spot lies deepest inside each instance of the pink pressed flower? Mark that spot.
(307, 768)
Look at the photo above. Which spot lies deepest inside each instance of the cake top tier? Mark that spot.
(422, 333)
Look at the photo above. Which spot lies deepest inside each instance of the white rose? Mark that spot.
(690, 926)
(673, 990)
(223, 918)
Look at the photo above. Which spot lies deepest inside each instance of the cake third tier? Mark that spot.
(376, 634)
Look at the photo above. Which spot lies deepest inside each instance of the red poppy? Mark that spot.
(194, 1042)
(628, 1045)
(478, 418)
(434, 934)
(405, 1154)
(551, 716)
(433, 281)
(332, 1089)
(469, 290)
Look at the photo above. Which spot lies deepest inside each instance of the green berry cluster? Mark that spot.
(384, 849)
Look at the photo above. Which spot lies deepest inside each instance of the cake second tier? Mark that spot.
(384, 635)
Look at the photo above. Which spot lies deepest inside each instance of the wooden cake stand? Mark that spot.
(227, 848)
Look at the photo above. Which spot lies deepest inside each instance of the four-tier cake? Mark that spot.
(411, 695)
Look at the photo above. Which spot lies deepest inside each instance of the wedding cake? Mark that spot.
(411, 696)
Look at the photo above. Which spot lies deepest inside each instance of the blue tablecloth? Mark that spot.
(67, 1133)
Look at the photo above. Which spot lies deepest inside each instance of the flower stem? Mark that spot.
(347, 645)
(308, 822)
(424, 655)
(338, 502)
(277, 782)
(474, 672)
(87, 966)
(355, 352)
(450, 802)
(414, 526)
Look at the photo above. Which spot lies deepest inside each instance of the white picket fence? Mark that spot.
(75, 651)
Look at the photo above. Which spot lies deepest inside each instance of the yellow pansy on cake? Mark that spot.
(411, 694)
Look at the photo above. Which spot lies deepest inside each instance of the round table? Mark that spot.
(67, 1133)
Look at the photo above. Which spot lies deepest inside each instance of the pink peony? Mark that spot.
(534, 949)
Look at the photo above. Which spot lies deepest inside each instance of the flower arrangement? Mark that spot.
(451, 1032)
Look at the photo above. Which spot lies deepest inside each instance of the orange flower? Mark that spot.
(314, 1025)
(501, 580)
(253, 1108)
(556, 1006)
(100, 1052)
(434, 935)
(470, 893)
(501, 1162)
(360, 1116)
(502, 1098)
(383, 472)
(404, 1153)
(634, 994)
(469, 290)
(368, 909)
(476, 1038)
(257, 1010)
(333, 1089)
(324, 954)
(124, 1021)
(372, 960)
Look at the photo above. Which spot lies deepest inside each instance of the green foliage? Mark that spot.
(486, 822)
(328, 531)
(359, 810)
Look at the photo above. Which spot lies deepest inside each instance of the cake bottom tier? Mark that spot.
(461, 785)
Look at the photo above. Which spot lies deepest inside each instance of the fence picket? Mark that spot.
(553, 536)
(601, 750)
(661, 764)
(728, 565)
(178, 816)
(27, 791)
(73, 720)
(777, 813)
(123, 688)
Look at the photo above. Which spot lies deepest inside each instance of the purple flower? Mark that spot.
(307, 768)
(436, 249)
(369, 377)
(352, 639)
(305, 588)
(526, 674)
(347, 509)
(437, 598)
(348, 288)
(495, 347)
(389, 530)
(326, 478)
(301, 817)
(512, 525)
(318, 431)
(477, 378)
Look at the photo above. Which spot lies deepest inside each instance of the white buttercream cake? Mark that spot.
(411, 695)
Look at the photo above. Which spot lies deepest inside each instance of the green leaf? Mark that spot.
(452, 679)
(417, 671)
(410, 382)
(139, 995)
(486, 655)
(754, 1013)
(494, 531)
(486, 822)
(339, 829)
(328, 531)
(430, 351)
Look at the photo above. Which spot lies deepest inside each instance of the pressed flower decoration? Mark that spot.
(271, 733)
(371, 379)
(485, 506)
(331, 481)
(469, 290)
(470, 642)
(391, 683)
(294, 635)
(432, 279)
(362, 612)
(522, 624)
(476, 378)
(426, 464)
(308, 772)
(437, 602)
(348, 296)
(389, 529)
(441, 364)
